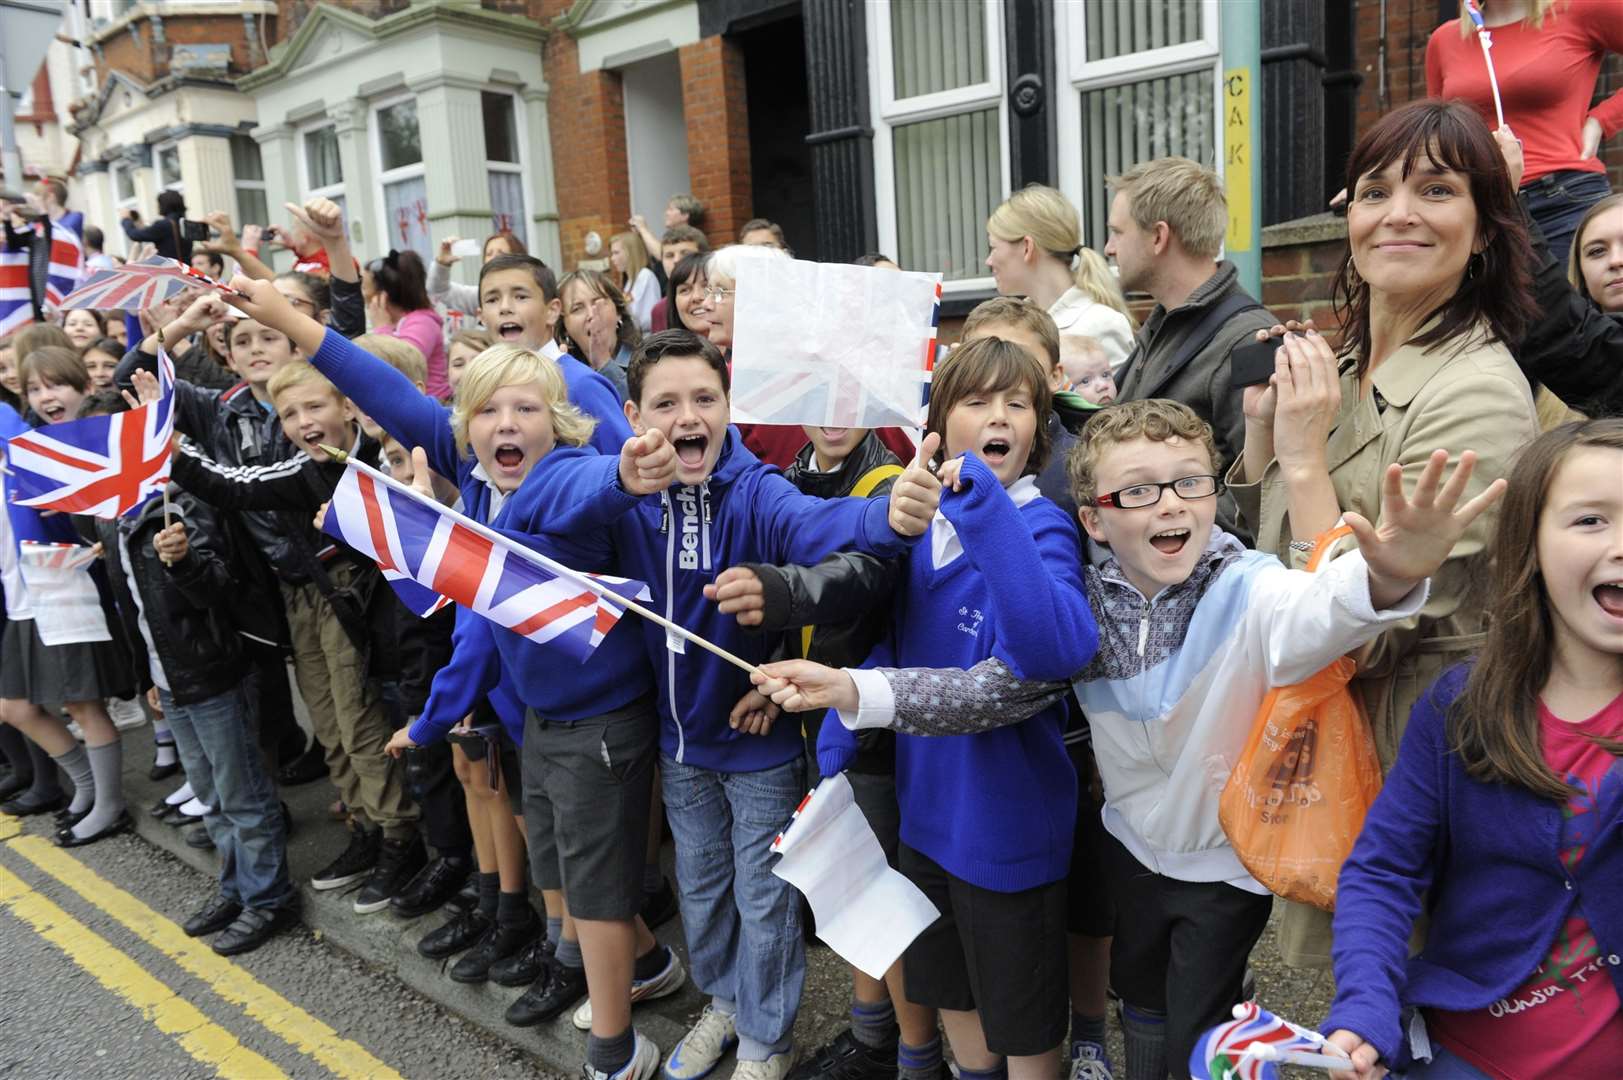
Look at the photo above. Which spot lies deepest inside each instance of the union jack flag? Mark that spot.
(854, 347)
(104, 466)
(1251, 1046)
(433, 555)
(136, 286)
(64, 267)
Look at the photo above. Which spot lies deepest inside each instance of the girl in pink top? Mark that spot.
(1547, 55)
(396, 290)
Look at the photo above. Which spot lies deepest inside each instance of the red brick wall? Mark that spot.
(1296, 282)
(145, 62)
(717, 113)
(1409, 25)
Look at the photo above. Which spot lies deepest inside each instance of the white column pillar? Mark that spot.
(450, 120)
(205, 169)
(542, 192)
(362, 199)
(278, 156)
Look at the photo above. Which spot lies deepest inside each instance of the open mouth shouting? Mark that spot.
(1170, 542)
(995, 451)
(1609, 595)
(690, 449)
(509, 456)
(53, 412)
(510, 331)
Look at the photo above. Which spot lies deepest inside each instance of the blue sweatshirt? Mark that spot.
(678, 542)
(1485, 860)
(996, 809)
(414, 419)
(548, 681)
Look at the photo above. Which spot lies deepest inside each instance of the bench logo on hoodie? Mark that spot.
(687, 514)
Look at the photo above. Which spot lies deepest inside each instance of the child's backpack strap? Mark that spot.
(875, 476)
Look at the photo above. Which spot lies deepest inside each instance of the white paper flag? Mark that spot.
(61, 593)
(866, 912)
(832, 344)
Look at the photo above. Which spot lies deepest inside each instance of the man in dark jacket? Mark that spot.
(164, 234)
(1166, 227)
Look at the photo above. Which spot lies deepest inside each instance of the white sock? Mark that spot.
(179, 795)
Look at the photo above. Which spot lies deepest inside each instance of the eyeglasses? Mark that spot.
(1141, 495)
(716, 295)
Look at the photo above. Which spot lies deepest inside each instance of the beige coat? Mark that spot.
(1457, 397)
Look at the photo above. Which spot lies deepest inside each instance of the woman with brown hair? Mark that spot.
(1434, 285)
(596, 325)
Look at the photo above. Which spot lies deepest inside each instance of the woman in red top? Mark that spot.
(1547, 55)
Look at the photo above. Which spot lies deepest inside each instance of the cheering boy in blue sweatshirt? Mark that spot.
(731, 778)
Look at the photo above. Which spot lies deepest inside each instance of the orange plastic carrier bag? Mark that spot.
(1296, 800)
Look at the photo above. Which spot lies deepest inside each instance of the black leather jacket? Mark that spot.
(195, 608)
(1573, 347)
(844, 600)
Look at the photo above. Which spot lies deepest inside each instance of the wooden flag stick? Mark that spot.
(586, 581)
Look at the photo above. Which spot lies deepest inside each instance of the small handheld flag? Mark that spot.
(136, 286)
(416, 541)
(1485, 39)
(1254, 1044)
(104, 466)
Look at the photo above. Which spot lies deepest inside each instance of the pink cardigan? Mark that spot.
(425, 329)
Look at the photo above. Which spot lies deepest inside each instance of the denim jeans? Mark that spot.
(1558, 201)
(742, 923)
(219, 750)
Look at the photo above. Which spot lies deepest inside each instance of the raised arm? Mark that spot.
(293, 484)
(229, 244)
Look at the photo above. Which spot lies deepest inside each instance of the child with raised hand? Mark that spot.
(589, 737)
(517, 296)
(36, 678)
(1502, 817)
(338, 618)
(994, 854)
(177, 573)
(1194, 631)
(728, 789)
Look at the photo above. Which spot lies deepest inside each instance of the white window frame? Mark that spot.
(393, 176)
(328, 191)
(157, 166)
(1080, 76)
(889, 113)
(521, 143)
(121, 204)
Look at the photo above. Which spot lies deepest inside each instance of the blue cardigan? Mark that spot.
(1499, 893)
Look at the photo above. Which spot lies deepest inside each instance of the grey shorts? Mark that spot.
(42, 674)
(591, 781)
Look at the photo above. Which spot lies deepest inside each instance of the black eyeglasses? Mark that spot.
(1141, 495)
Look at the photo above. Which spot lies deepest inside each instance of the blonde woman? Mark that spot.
(1034, 249)
(628, 259)
(1547, 55)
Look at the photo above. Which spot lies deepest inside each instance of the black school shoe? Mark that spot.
(15, 784)
(212, 917)
(27, 803)
(659, 907)
(457, 934)
(524, 966)
(499, 943)
(200, 839)
(847, 1059)
(398, 862)
(433, 885)
(353, 863)
(253, 927)
(307, 768)
(65, 837)
(557, 989)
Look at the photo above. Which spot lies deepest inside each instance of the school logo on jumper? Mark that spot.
(970, 621)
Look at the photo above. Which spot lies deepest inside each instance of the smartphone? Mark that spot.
(464, 248)
(1253, 362)
(194, 230)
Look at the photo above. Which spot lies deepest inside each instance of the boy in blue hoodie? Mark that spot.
(731, 778)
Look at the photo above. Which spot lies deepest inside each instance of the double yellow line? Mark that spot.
(207, 1042)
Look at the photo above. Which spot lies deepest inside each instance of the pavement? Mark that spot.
(383, 947)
